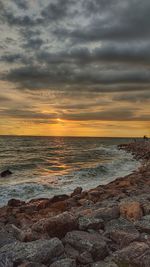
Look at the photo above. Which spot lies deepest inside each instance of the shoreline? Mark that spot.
(84, 215)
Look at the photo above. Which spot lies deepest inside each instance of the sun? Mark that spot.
(59, 120)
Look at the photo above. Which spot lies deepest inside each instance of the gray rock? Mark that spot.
(104, 264)
(90, 223)
(137, 254)
(71, 252)
(64, 263)
(121, 231)
(85, 258)
(31, 264)
(143, 225)
(41, 251)
(6, 238)
(107, 213)
(83, 241)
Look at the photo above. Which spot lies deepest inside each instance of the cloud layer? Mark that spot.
(66, 56)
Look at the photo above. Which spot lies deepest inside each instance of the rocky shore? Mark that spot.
(108, 226)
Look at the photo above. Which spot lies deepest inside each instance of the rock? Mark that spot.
(5, 262)
(77, 191)
(40, 251)
(58, 198)
(31, 264)
(121, 231)
(6, 238)
(109, 263)
(64, 263)
(85, 258)
(24, 235)
(15, 202)
(131, 210)
(71, 252)
(56, 226)
(146, 208)
(107, 213)
(90, 223)
(143, 225)
(137, 254)
(89, 242)
(6, 173)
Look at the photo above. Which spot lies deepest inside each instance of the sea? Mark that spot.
(48, 166)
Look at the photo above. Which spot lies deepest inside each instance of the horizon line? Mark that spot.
(22, 135)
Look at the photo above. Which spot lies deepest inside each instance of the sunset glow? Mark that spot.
(74, 68)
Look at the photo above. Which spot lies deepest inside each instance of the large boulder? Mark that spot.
(107, 213)
(90, 242)
(121, 231)
(56, 226)
(135, 255)
(41, 251)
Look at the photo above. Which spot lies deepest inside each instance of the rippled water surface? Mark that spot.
(46, 166)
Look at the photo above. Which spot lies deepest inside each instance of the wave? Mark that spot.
(112, 164)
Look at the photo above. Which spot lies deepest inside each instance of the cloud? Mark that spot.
(114, 114)
(23, 4)
(78, 50)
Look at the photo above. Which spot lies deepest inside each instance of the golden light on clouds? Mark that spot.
(57, 78)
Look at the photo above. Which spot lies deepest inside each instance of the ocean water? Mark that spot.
(47, 166)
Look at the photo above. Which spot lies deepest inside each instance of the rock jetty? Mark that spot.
(108, 226)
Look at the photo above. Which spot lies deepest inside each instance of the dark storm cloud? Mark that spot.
(26, 114)
(140, 97)
(119, 114)
(57, 10)
(35, 43)
(113, 20)
(71, 47)
(11, 58)
(137, 53)
(23, 4)
(8, 16)
(37, 77)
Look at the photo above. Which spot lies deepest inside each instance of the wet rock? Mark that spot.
(77, 191)
(121, 232)
(5, 173)
(64, 263)
(89, 242)
(15, 202)
(90, 223)
(143, 225)
(137, 254)
(56, 226)
(107, 213)
(40, 251)
(131, 210)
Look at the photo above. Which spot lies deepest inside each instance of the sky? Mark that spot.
(75, 67)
